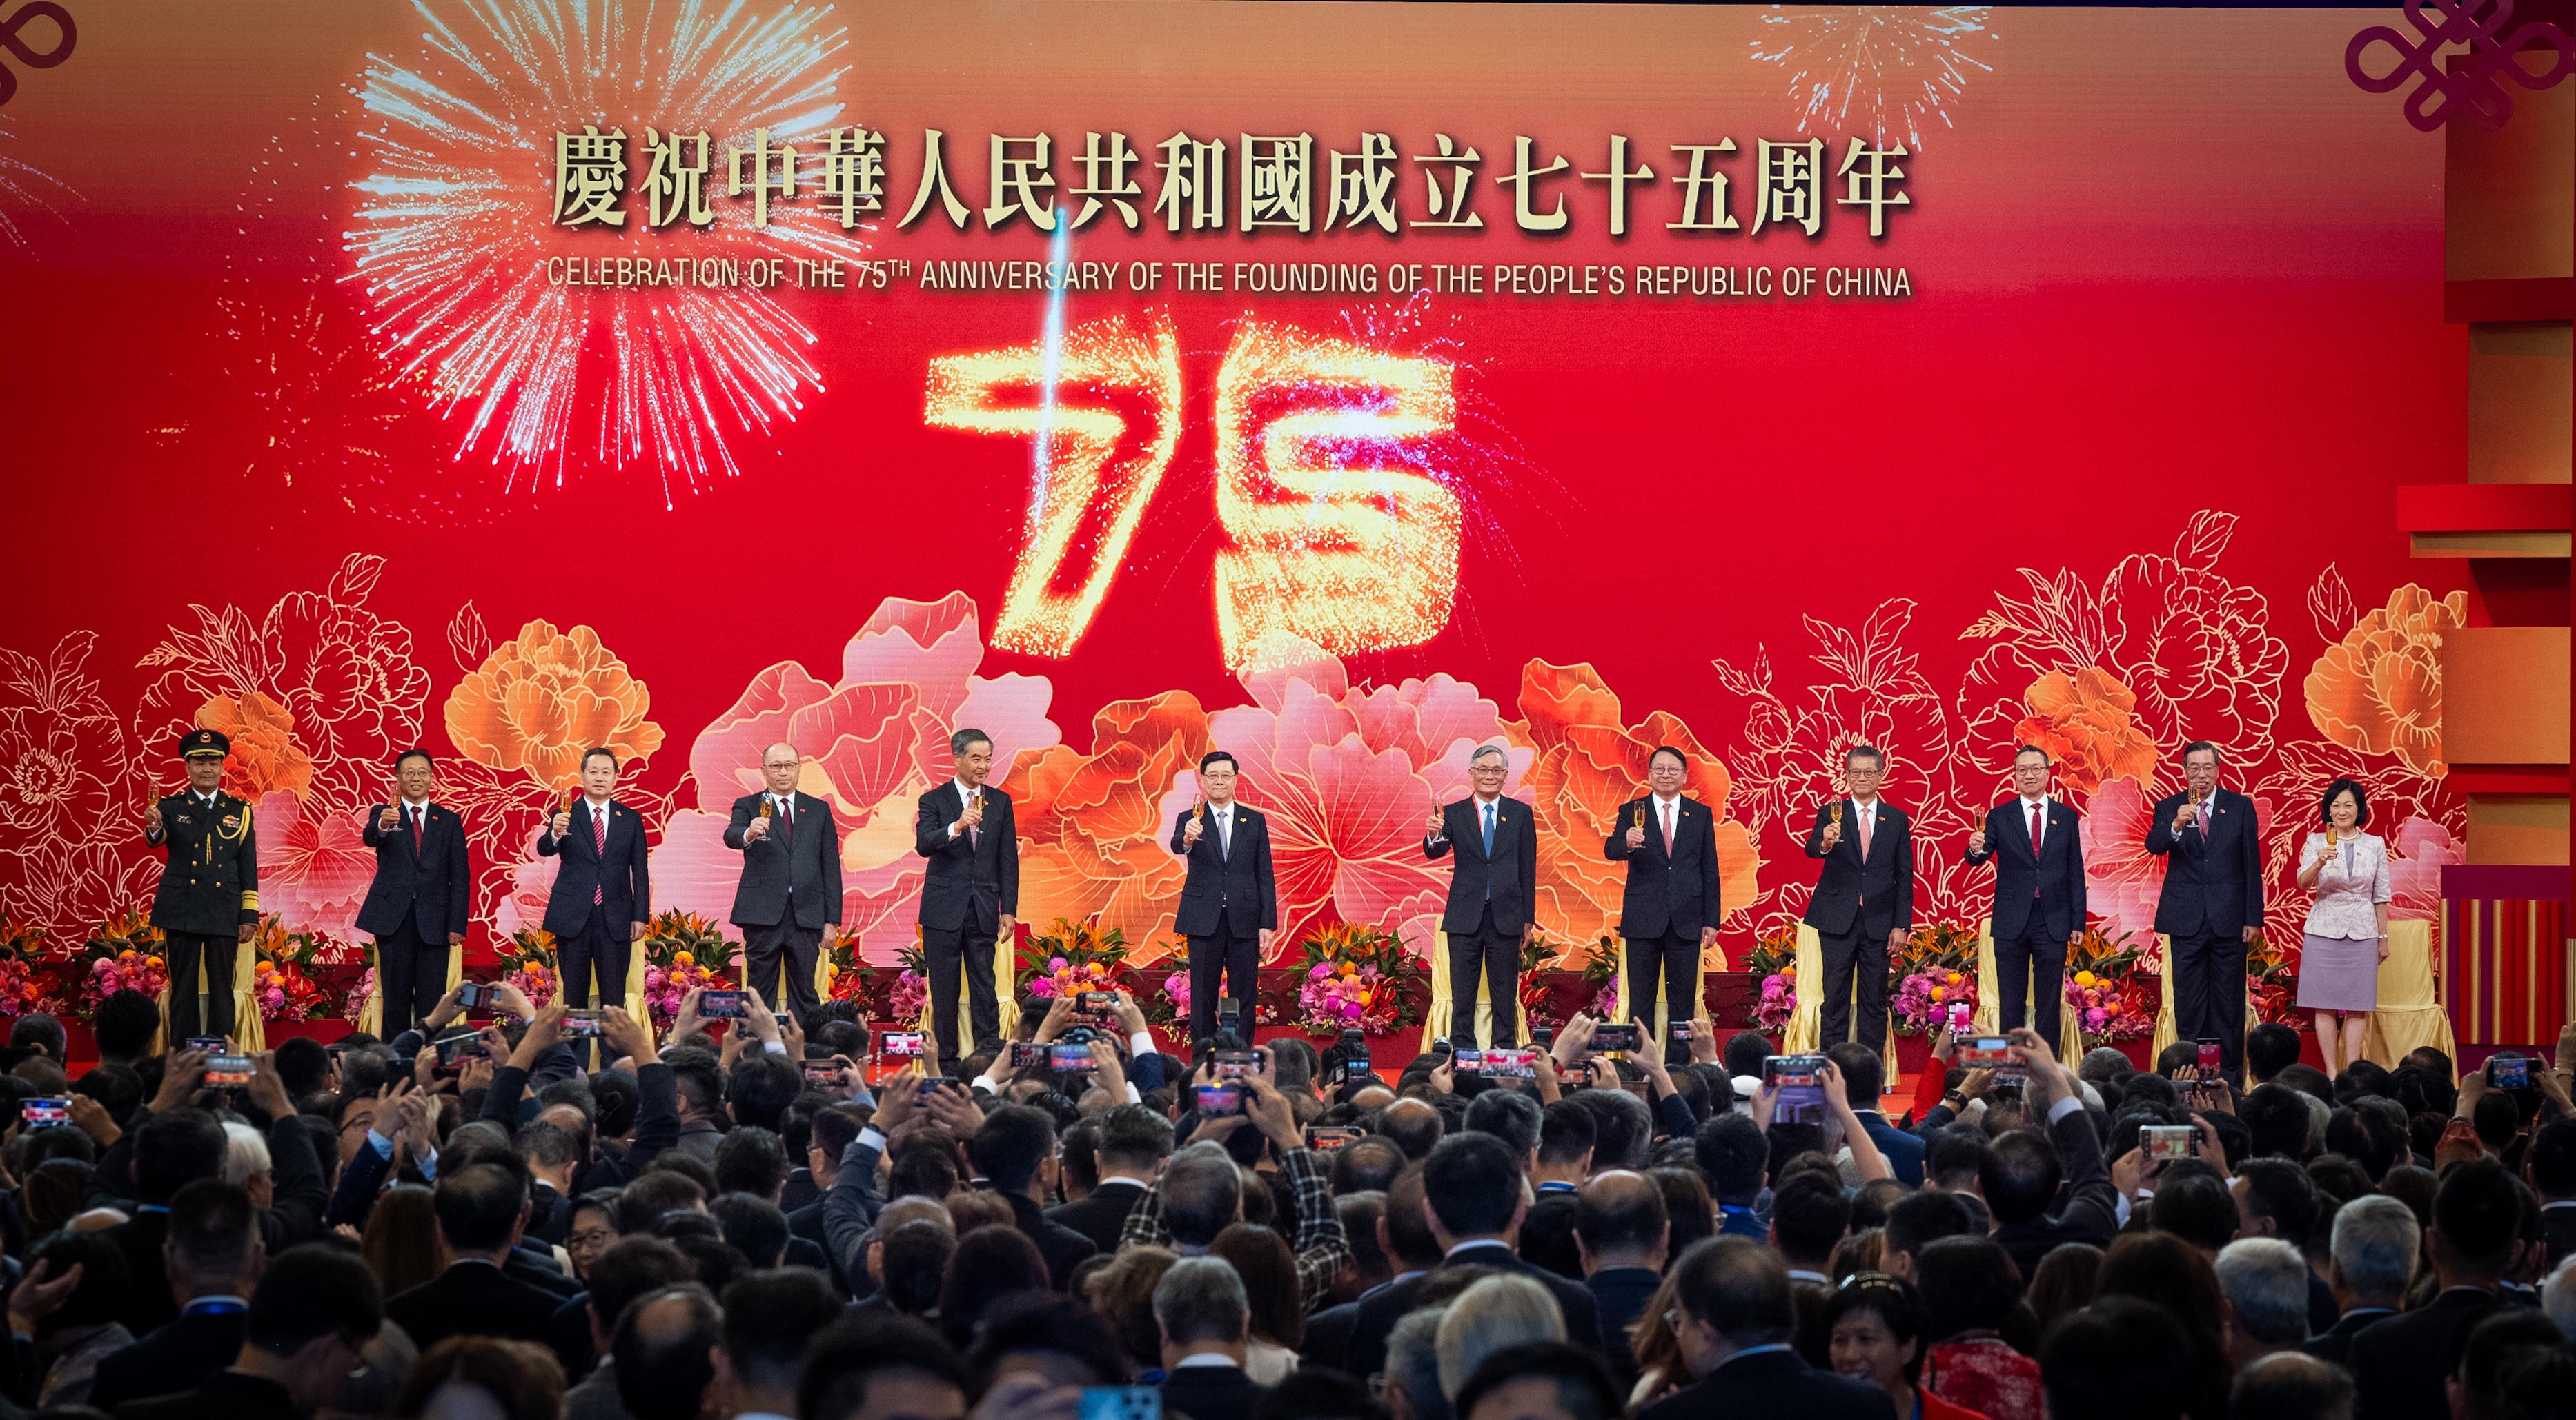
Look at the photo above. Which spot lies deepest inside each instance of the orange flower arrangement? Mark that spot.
(2380, 690)
(264, 754)
(543, 698)
(2088, 723)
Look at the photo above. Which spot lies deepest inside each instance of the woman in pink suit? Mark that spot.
(2347, 931)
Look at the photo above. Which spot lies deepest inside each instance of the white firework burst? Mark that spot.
(1890, 67)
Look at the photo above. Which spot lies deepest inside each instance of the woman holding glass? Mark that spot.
(2347, 930)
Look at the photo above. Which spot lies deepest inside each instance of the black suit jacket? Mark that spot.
(1237, 885)
(806, 1224)
(1380, 1308)
(974, 877)
(2037, 895)
(621, 873)
(148, 1303)
(2086, 1212)
(1619, 1297)
(1328, 1337)
(2558, 1226)
(1211, 1393)
(1772, 1383)
(473, 1299)
(2213, 882)
(1672, 887)
(1508, 877)
(2335, 1342)
(1099, 1214)
(179, 1356)
(1876, 895)
(2400, 1362)
(1573, 1299)
(806, 858)
(1061, 1246)
(225, 1395)
(428, 885)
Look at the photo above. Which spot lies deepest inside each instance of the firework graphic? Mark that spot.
(1890, 67)
(25, 191)
(455, 221)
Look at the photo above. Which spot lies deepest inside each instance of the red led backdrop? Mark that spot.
(307, 443)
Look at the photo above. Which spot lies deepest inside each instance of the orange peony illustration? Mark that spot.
(264, 755)
(2088, 723)
(2380, 690)
(1588, 764)
(540, 700)
(1095, 828)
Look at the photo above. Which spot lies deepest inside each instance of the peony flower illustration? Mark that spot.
(1587, 764)
(1095, 827)
(2122, 880)
(872, 743)
(265, 756)
(314, 867)
(2087, 722)
(2418, 850)
(542, 699)
(71, 792)
(2196, 648)
(2379, 691)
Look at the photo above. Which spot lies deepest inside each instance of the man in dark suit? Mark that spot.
(1737, 1319)
(215, 1257)
(2549, 1165)
(1229, 904)
(1134, 1141)
(1014, 1151)
(2399, 1363)
(1493, 896)
(1864, 1080)
(2212, 906)
(208, 901)
(1622, 1231)
(1670, 911)
(314, 1313)
(1404, 1232)
(603, 892)
(1863, 907)
(970, 895)
(416, 908)
(2044, 1195)
(789, 899)
(2037, 848)
(1206, 1321)
(2376, 1242)
(1474, 1198)
(482, 1213)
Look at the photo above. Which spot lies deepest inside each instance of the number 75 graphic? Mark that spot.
(1322, 542)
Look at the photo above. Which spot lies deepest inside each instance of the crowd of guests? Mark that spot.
(748, 1220)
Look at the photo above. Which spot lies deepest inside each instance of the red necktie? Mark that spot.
(415, 832)
(2035, 820)
(599, 844)
(786, 822)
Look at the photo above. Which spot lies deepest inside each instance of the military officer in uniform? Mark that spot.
(208, 903)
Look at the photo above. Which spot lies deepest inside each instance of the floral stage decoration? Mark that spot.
(1773, 963)
(1069, 957)
(2113, 997)
(910, 997)
(1937, 968)
(1357, 978)
(1537, 994)
(528, 963)
(27, 986)
(849, 972)
(1165, 999)
(1601, 978)
(123, 953)
(284, 970)
(683, 952)
(2272, 982)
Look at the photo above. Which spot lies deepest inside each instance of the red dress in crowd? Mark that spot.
(1928, 1406)
(1979, 1371)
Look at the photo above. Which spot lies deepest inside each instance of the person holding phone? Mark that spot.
(2347, 928)
(2212, 903)
(788, 901)
(417, 905)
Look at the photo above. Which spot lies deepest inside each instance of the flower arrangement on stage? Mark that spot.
(363, 990)
(281, 973)
(683, 952)
(124, 954)
(2272, 983)
(1537, 997)
(2110, 996)
(1937, 968)
(26, 986)
(1601, 978)
(527, 962)
(849, 972)
(1165, 999)
(1773, 963)
(1357, 978)
(910, 997)
(1069, 957)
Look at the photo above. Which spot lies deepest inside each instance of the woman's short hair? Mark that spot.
(1895, 1302)
(2360, 802)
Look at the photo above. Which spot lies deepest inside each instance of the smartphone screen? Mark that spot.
(1233, 1065)
(1120, 1402)
(1097, 1003)
(583, 1023)
(822, 1072)
(1219, 1100)
(46, 1111)
(2167, 1142)
(720, 1005)
(1960, 1014)
(1061, 1056)
(1986, 1052)
(1621, 1037)
(2212, 1057)
(2509, 1072)
(472, 994)
(905, 1043)
(211, 1044)
(228, 1070)
(1324, 1138)
(1797, 1094)
(1029, 1054)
